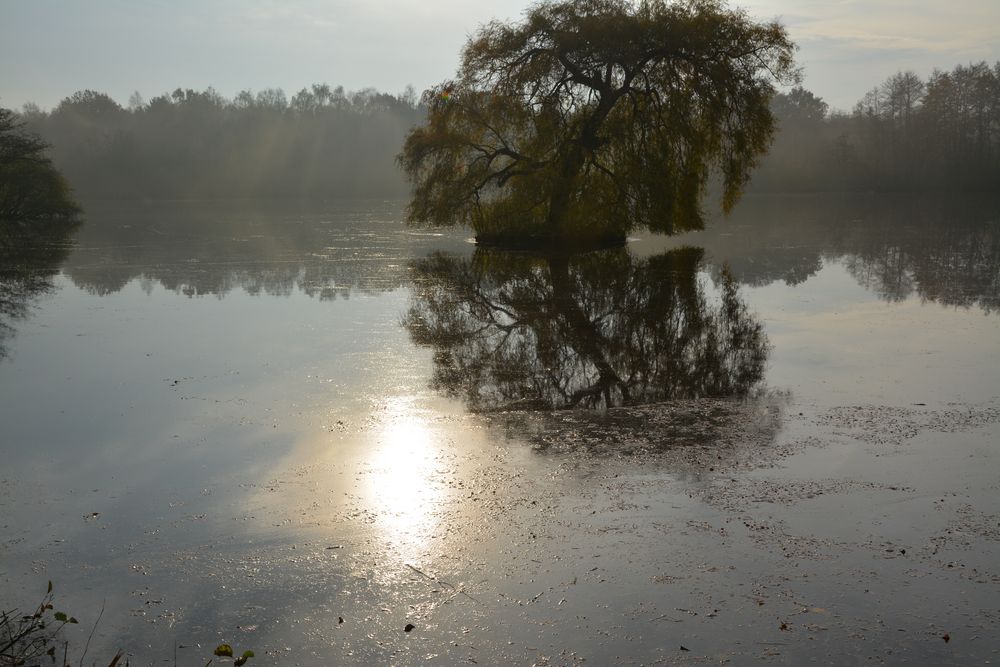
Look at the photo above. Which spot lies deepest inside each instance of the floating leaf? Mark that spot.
(224, 650)
(60, 616)
(243, 658)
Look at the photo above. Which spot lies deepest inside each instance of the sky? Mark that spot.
(51, 48)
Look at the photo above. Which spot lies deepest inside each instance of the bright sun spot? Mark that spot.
(403, 481)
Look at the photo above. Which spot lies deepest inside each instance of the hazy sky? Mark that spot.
(50, 48)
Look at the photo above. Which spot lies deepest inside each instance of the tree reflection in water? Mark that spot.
(30, 256)
(603, 329)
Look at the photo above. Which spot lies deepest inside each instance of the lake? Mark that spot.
(301, 428)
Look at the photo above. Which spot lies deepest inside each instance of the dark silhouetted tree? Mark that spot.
(31, 189)
(594, 117)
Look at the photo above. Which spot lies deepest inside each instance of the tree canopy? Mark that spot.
(594, 117)
(30, 187)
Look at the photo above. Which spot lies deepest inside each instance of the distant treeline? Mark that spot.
(906, 134)
(190, 144)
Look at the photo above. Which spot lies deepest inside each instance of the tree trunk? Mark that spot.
(583, 336)
(572, 164)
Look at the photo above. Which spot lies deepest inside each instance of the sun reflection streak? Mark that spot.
(405, 484)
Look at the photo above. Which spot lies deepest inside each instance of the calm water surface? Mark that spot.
(297, 428)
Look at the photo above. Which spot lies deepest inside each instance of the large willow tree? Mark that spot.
(594, 117)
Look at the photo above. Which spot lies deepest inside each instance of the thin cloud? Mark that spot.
(157, 45)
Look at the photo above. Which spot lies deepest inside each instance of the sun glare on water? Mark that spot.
(405, 477)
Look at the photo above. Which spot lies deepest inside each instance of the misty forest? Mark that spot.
(621, 345)
(906, 134)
